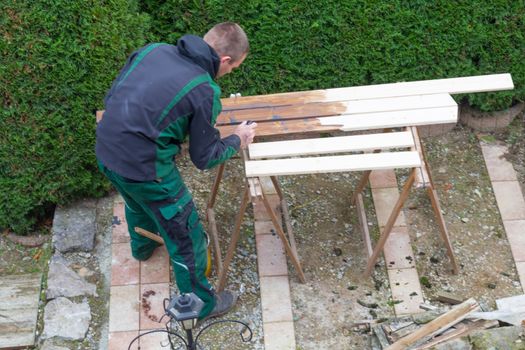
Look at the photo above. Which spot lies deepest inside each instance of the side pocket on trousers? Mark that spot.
(193, 219)
(171, 210)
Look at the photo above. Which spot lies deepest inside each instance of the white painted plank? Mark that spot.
(390, 104)
(328, 164)
(460, 85)
(280, 149)
(480, 83)
(383, 120)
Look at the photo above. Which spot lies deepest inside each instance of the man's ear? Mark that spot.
(226, 59)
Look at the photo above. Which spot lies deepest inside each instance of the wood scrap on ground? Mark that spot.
(426, 330)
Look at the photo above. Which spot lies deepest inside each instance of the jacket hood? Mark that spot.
(199, 52)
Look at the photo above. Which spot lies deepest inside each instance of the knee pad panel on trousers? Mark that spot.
(178, 218)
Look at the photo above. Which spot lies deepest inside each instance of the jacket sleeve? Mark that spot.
(207, 149)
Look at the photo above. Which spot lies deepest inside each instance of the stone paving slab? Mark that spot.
(405, 287)
(520, 267)
(124, 308)
(121, 340)
(279, 336)
(384, 201)
(151, 305)
(399, 257)
(275, 299)
(382, 179)
(515, 230)
(509, 198)
(74, 226)
(259, 211)
(19, 297)
(156, 341)
(398, 251)
(498, 167)
(124, 268)
(274, 261)
(276, 302)
(157, 268)
(120, 226)
(264, 227)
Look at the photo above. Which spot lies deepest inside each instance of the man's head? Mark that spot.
(231, 44)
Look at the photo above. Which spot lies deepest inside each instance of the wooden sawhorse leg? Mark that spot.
(286, 216)
(442, 228)
(212, 225)
(432, 194)
(390, 223)
(233, 242)
(289, 246)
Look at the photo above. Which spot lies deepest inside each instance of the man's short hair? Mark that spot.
(228, 39)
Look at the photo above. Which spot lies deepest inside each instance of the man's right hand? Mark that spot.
(246, 133)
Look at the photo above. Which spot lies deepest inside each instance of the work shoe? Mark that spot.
(224, 302)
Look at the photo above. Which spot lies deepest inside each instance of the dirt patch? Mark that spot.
(487, 270)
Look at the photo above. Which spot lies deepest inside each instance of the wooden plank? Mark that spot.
(361, 215)
(328, 164)
(255, 188)
(366, 121)
(422, 177)
(381, 336)
(153, 236)
(417, 117)
(461, 331)
(310, 110)
(280, 149)
(437, 325)
(460, 85)
(449, 298)
(19, 297)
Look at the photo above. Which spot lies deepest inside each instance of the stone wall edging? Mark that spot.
(477, 120)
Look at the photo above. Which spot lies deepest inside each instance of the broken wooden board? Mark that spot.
(19, 297)
(449, 298)
(438, 325)
(460, 330)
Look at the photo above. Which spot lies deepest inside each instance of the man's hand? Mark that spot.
(246, 133)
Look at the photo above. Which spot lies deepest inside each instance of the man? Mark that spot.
(163, 95)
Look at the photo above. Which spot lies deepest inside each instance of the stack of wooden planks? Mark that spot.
(425, 331)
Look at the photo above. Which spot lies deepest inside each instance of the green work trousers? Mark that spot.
(166, 206)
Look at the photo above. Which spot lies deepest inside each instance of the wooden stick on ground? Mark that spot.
(436, 326)
(461, 331)
(149, 234)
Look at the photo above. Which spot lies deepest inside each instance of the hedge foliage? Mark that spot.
(301, 45)
(58, 58)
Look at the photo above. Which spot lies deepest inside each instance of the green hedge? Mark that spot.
(300, 45)
(60, 56)
(58, 59)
